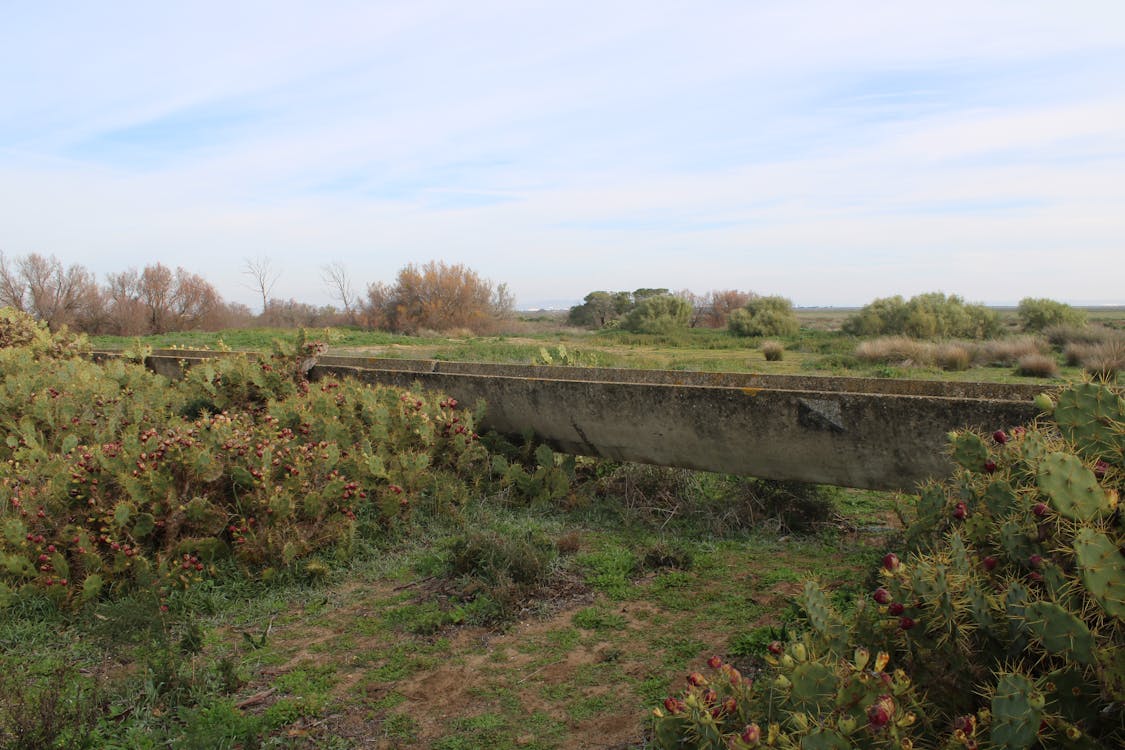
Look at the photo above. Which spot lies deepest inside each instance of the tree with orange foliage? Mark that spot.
(437, 297)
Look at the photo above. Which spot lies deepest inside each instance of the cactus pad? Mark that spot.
(999, 498)
(969, 450)
(813, 690)
(1086, 414)
(1015, 722)
(1102, 569)
(1060, 632)
(1072, 488)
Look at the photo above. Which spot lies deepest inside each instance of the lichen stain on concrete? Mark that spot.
(751, 391)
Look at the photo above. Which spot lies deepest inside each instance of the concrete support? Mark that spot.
(855, 432)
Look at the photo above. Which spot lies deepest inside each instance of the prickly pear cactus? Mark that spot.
(1091, 415)
(1005, 608)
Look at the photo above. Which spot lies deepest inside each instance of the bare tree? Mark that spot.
(46, 289)
(339, 285)
(263, 276)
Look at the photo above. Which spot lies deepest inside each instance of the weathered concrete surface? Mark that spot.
(856, 432)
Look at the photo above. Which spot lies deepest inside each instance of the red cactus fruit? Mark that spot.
(895, 608)
(1000, 437)
(960, 511)
(1040, 509)
(890, 561)
(751, 735)
(906, 623)
(775, 648)
(714, 662)
(989, 562)
(882, 596)
(990, 466)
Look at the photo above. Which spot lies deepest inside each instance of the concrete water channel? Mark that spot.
(854, 432)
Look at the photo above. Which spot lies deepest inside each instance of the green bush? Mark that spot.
(1040, 314)
(1001, 624)
(765, 316)
(662, 313)
(924, 316)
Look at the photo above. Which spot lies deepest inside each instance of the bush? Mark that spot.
(893, 349)
(765, 316)
(773, 350)
(924, 316)
(1037, 366)
(1006, 352)
(1039, 314)
(1105, 360)
(1000, 625)
(663, 313)
(1061, 336)
(952, 356)
(438, 297)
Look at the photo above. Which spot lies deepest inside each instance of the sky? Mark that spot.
(831, 152)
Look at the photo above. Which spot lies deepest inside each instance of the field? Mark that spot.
(509, 615)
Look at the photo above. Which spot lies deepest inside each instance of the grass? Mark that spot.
(372, 651)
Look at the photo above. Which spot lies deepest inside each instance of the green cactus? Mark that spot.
(969, 450)
(980, 608)
(825, 739)
(1016, 540)
(1072, 488)
(1102, 570)
(1015, 605)
(1059, 631)
(1000, 498)
(824, 619)
(1091, 415)
(1015, 718)
(813, 689)
(1070, 693)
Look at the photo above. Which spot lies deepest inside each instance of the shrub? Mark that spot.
(773, 350)
(924, 316)
(19, 329)
(896, 349)
(999, 626)
(1006, 352)
(1063, 335)
(1037, 366)
(663, 313)
(1039, 314)
(1105, 360)
(952, 356)
(439, 297)
(765, 316)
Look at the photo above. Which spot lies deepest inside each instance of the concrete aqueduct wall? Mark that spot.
(854, 432)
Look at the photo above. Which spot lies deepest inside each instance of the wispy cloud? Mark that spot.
(832, 152)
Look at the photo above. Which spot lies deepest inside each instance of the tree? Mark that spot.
(42, 287)
(714, 308)
(663, 313)
(596, 311)
(1037, 314)
(158, 300)
(765, 316)
(336, 278)
(437, 297)
(263, 277)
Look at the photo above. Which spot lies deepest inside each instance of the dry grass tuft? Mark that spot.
(1037, 366)
(773, 350)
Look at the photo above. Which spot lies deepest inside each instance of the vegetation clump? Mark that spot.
(765, 316)
(924, 316)
(1000, 624)
(660, 314)
(1040, 314)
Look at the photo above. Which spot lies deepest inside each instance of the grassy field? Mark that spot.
(657, 570)
(820, 348)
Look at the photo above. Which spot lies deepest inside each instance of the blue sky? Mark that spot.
(831, 152)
